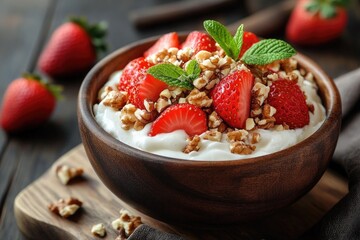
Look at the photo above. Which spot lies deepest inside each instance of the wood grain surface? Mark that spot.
(100, 205)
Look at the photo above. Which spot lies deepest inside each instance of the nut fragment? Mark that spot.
(213, 135)
(237, 135)
(240, 147)
(199, 99)
(193, 144)
(127, 222)
(65, 208)
(214, 120)
(98, 230)
(115, 99)
(128, 116)
(249, 124)
(66, 173)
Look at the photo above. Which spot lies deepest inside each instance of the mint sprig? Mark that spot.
(267, 51)
(231, 45)
(261, 53)
(176, 76)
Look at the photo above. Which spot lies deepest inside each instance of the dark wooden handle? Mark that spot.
(267, 21)
(170, 11)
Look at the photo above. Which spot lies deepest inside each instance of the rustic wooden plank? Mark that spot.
(21, 25)
(100, 205)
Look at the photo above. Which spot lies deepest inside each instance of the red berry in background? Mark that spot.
(290, 104)
(28, 102)
(314, 22)
(198, 41)
(168, 40)
(139, 84)
(249, 39)
(232, 98)
(72, 48)
(183, 116)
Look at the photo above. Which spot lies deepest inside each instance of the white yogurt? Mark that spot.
(172, 144)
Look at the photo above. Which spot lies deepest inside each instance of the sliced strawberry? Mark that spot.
(185, 116)
(232, 96)
(290, 104)
(199, 41)
(139, 84)
(249, 39)
(166, 41)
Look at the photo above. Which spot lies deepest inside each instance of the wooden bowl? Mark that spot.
(205, 193)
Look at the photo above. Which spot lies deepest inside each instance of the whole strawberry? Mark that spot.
(28, 102)
(316, 21)
(290, 104)
(232, 96)
(72, 48)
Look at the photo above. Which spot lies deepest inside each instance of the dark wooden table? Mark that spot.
(25, 26)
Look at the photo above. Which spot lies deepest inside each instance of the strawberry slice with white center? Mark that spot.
(183, 116)
(232, 98)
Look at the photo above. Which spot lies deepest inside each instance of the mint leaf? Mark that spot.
(224, 38)
(238, 39)
(172, 75)
(266, 51)
(193, 68)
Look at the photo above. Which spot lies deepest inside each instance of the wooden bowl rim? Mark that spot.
(85, 112)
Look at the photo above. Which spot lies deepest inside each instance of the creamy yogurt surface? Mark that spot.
(172, 144)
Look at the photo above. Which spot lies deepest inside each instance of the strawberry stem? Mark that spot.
(97, 32)
(326, 8)
(55, 90)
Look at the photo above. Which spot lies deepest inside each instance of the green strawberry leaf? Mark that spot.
(96, 32)
(172, 75)
(224, 38)
(267, 51)
(55, 90)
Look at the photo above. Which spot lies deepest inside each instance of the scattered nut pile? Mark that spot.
(125, 224)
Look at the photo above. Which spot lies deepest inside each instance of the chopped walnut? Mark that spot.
(255, 137)
(212, 135)
(214, 120)
(161, 104)
(127, 222)
(268, 111)
(237, 135)
(115, 99)
(128, 118)
(66, 173)
(65, 208)
(193, 144)
(249, 124)
(149, 105)
(240, 147)
(199, 99)
(98, 230)
(104, 92)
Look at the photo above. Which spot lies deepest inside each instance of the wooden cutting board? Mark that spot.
(100, 205)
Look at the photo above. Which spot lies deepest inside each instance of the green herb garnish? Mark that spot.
(261, 53)
(267, 51)
(231, 45)
(176, 76)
